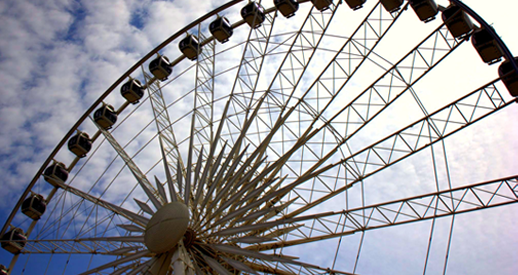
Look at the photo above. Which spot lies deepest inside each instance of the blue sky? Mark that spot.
(57, 57)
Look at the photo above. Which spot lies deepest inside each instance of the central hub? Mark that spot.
(166, 227)
(189, 237)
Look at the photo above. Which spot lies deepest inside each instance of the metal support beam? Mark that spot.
(424, 207)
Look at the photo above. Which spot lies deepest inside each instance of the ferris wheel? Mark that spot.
(284, 137)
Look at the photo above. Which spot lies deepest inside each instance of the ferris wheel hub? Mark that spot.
(167, 227)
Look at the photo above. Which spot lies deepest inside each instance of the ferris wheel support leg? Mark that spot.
(162, 264)
(181, 263)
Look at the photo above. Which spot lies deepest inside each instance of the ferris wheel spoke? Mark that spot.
(240, 186)
(162, 118)
(161, 190)
(395, 81)
(413, 138)
(191, 190)
(215, 265)
(139, 176)
(132, 239)
(231, 179)
(169, 178)
(115, 246)
(234, 250)
(116, 263)
(202, 182)
(231, 186)
(252, 204)
(122, 270)
(129, 215)
(291, 70)
(368, 104)
(300, 53)
(392, 84)
(345, 63)
(239, 265)
(249, 187)
(140, 268)
(424, 207)
(373, 25)
(131, 228)
(291, 268)
(203, 113)
(245, 82)
(144, 207)
(158, 265)
(375, 29)
(224, 168)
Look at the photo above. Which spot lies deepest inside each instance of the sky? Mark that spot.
(58, 56)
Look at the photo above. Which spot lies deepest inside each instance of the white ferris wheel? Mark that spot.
(284, 137)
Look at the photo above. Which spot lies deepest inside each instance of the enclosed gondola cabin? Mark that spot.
(80, 144)
(221, 29)
(34, 206)
(286, 7)
(486, 46)
(132, 91)
(253, 14)
(392, 5)
(426, 10)
(14, 240)
(190, 47)
(355, 4)
(322, 5)
(56, 174)
(160, 67)
(105, 116)
(509, 76)
(457, 21)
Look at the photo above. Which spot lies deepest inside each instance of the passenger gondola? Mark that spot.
(3, 270)
(34, 206)
(80, 144)
(509, 76)
(392, 5)
(286, 7)
(486, 46)
(56, 174)
(253, 14)
(426, 10)
(160, 67)
(132, 91)
(457, 21)
(355, 4)
(190, 47)
(105, 116)
(14, 240)
(221, 29)
(322, 5)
